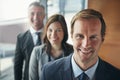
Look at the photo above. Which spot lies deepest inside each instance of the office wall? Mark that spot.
(110, 50)
(9, 31)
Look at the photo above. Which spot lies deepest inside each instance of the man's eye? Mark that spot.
(93, 37)
(50, 30)
(32, 14)
(40, 14)
(79, 36)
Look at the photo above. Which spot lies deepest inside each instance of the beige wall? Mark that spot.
(9, 31)
(110, 50)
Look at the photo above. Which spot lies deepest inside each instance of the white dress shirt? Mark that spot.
(34, 35)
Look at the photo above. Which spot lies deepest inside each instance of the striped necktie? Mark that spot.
(83, 76)
(39, 39)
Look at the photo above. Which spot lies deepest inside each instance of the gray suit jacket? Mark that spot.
(23, 51)
(62, 70)
(39, 57)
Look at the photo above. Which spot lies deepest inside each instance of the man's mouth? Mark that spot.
(85, 51)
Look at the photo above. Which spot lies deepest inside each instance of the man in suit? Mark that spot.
(26, 41)
(88, 32)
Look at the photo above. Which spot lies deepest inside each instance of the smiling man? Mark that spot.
(27, 40)
(88, 32)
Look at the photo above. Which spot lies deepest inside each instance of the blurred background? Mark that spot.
(13, 20)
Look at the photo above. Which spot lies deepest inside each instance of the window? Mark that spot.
(13, 9)
(68, 8)
(65, 6)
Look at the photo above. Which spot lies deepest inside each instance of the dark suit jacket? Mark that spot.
(23, 51)
(62, 70)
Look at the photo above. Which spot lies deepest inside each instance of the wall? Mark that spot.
(110, 50)
(9, 31)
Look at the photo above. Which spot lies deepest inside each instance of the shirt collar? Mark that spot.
(32, 30)
(77, 71)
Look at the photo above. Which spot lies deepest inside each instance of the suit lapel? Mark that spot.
(68, 74)
(44, 58)
(28, 43)
(100, 71)
(29, 40)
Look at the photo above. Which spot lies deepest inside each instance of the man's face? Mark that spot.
(86, 39)
(36, 16)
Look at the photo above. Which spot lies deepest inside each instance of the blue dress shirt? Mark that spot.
(77, 70)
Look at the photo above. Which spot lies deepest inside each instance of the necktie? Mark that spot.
(83, 76)
(39, 39)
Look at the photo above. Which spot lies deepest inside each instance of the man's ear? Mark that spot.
(103, 38)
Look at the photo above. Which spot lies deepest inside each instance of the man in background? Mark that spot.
(26, 41)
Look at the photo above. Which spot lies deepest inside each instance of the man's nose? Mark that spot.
(35, 17)
(86, 43)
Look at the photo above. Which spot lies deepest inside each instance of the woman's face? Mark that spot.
(55, 33)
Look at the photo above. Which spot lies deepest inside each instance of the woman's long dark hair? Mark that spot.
(55, 18)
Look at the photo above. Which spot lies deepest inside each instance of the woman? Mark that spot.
(55, 46)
